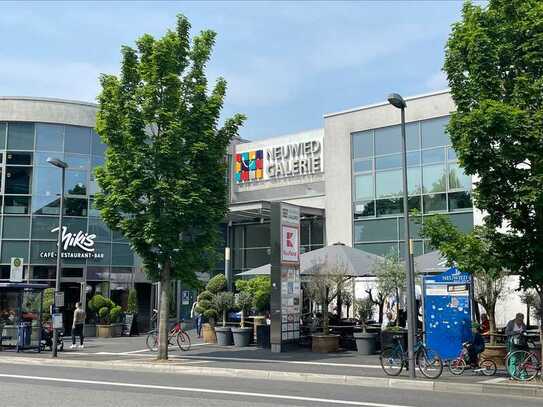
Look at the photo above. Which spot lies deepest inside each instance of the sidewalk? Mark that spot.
(347, 368)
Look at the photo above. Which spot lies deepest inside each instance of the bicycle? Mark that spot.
(181, 337)
(485, 366)
(522, 364)
(394, 359)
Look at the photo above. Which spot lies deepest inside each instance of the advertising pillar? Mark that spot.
(285, 275)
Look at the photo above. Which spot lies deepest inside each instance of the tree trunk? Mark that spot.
(381, 311)
(492, 322)
(224, 318)
(397, 307)
(325, 329)
(540, 314)
(164, 312)
(242, 323)
(339, 304)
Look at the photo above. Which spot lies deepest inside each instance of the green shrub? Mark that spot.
(222, 303)
(98, 302)
(115, 314)
(216, 284)
(132, 306)
(103, 314)
(244, 302)
(260, 290)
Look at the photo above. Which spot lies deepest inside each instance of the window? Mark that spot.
(414, 182)
(363, 144)
(76, 182)
(20, 136)
(388, 140)
(388, 183)
(77, 140)
(100, 229)
(3, 127)
(392, 206)
(43, 272)
(42, 226)
(75, 207)
(363, 187)
(17, 204)
(18, 158)
(434, 155)
(98, 147)
(412, 136)
(37, 247)
(75, 225)
(77, 161)
(364, 209)
(121, 255)
(256, 257)
(413, 158)
(417, 249)
(257, 235)
(459, 201)
(41, 158)
(46, 205)
(14, 249)
(434, 178)
(435, 203)
(433, 132)
(457, 178)
(363, 166)
(389, 161)
(381, 249)
(16, 227)
(371, 230)
(105, 249)
(49, 137)
(18, 180)
(317, 231)
(96, 161)
(47, 181)
(463, 221)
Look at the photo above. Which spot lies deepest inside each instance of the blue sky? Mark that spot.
(286, 63)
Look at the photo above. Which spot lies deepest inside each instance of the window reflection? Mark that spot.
(76, 182)
(18, 180)
(434, 178)
(363, 187)
(49, 137)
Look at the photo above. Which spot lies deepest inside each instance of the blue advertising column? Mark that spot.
(447, 311)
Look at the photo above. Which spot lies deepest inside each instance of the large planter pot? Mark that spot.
(325, 343)
(89, 330)
(104, 331)
(242, 336)
(117, 330)
(366, 343)
(387, 338)
(209, 334)
(224, 335)
(263, 336)
(496, 353)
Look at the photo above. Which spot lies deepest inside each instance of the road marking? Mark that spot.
(200, 390)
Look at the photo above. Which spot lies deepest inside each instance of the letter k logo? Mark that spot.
(289, 239)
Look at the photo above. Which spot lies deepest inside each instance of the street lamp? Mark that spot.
(62, 165)
(397, 101)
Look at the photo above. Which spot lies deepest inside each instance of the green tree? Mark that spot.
(472, 253)
(494, 64)
(163, 183)
(206, 304)
(260, 290)
(391, 278)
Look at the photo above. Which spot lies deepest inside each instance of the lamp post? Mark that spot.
(62, 165)
(397, 101)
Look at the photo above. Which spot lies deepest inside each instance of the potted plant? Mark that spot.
(323, 287)
(224, 302)
(365, 341)
(131, 316)
(242, 335)
(115, 317)
(102, 306)
(259, 288)
(206, 306)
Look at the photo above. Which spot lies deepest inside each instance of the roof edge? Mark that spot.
(52, 100)
(373, 105)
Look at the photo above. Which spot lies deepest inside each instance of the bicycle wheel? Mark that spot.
(152, 341)
(183, 340)
(430, 363)
(488, 367)
(391, 361)
(457, 366)
(522, 365)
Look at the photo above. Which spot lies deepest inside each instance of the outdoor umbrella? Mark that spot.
(430, 263)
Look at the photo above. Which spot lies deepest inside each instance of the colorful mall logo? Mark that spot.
(249, 166)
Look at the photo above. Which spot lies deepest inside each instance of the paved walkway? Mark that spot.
(210, 359)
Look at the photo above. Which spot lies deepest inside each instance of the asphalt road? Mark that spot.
(22, 386)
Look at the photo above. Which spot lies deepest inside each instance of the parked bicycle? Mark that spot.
(485, 366)
(394, 359)
(182, 339)
(523, 364)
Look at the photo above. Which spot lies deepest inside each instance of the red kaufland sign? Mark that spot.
(290, 246)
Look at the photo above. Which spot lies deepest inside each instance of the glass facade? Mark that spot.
(30, 189)
(436, 184)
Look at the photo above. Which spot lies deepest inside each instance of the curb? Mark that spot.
(499, 389)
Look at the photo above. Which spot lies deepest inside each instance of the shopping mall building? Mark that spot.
(345, 176)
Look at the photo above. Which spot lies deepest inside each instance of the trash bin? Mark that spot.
(263, 336)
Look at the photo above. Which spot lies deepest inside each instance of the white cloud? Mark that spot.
(437, 81)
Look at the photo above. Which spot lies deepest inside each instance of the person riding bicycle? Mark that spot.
(516, 340)
(476, 346)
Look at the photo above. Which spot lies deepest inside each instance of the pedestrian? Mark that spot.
(515, 339)
(476, 346)
(197, 317)
(485, 326)
(77, 325)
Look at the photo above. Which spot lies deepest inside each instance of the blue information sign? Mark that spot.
(447, 311)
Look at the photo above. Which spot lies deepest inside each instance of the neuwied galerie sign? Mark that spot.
(78, 245)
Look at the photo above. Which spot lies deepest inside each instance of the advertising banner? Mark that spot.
(16, 270)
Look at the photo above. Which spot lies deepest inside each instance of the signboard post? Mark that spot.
(447, 311)
(285, 275)
(16, 270)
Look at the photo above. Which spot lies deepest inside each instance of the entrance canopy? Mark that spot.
(260, 211)
(353, 262)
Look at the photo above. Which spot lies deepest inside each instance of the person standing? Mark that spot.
(515, 339)
(197, 317)
(77, 325)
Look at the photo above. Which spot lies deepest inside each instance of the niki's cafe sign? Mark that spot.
(78, 245)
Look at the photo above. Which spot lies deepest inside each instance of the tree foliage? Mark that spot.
(260, 290)
(223, 302)
(494, 63)
(163, 183)
(206, 300)
(244, 302)
(391, 279)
